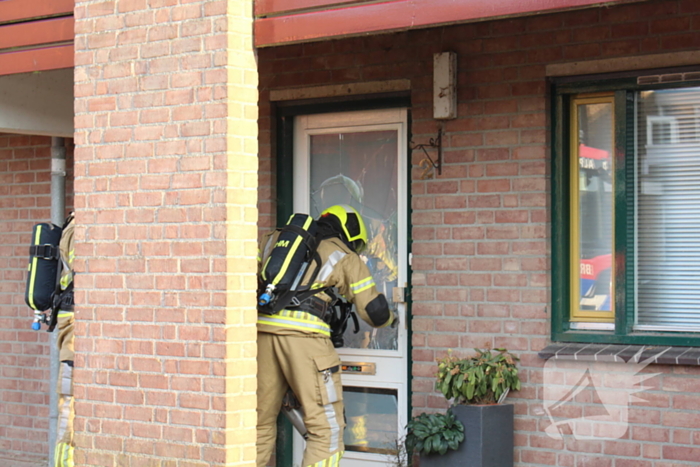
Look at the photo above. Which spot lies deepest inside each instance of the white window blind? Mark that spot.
(667, 210)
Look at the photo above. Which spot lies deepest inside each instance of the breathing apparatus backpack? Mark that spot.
(43, 291)
(294, 252)
(289, 260)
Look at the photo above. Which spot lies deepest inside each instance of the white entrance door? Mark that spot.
(360, 159)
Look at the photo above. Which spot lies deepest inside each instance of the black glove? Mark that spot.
(395, 323)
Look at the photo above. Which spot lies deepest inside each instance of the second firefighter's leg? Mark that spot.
(312, 369)
(271, 389)
(63, 455)
(64, 448)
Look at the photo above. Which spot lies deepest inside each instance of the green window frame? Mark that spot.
(618, 95)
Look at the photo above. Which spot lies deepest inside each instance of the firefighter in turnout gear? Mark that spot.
(294, 346)
(64, 435)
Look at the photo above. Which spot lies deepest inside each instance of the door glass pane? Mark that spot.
(360, 169)
(372, 419)
(594, 125)
(668, 210)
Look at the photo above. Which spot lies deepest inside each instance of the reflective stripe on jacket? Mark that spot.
(294, 321)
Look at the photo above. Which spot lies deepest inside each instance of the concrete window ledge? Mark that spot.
(662, 355)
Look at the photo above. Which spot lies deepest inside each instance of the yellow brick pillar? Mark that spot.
(241, 251)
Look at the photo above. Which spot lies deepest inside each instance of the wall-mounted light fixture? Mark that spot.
(444, 108)
(445, 85)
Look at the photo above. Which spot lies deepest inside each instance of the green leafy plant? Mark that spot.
(485, 378)
(434, 433)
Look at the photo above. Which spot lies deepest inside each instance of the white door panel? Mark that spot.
(360, 159)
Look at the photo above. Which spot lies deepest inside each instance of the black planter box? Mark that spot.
(488, 438)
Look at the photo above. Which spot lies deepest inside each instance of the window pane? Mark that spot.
(360, 169)
(593, 146)
(667, 170)
(372, 419)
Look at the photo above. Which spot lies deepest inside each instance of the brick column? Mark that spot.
(165, 197)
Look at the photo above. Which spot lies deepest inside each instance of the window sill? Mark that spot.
(662, 355)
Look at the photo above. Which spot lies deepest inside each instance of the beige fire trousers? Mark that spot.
(64, 446)
(309, 365)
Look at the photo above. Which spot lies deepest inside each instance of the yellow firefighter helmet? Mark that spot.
(351, 223)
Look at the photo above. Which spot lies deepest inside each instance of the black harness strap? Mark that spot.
(46, 251)
(310, 240)
(297, 295)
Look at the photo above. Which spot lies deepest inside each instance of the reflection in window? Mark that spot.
(372, 419)
(593, 202)
(667, 217)
(661, 130)
(360, 169)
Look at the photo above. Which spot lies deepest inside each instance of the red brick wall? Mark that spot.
(481, 260)
(25, 200)
(161, 376)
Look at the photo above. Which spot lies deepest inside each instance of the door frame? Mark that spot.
(285, 113)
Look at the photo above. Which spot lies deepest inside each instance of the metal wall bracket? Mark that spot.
(433, 143)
